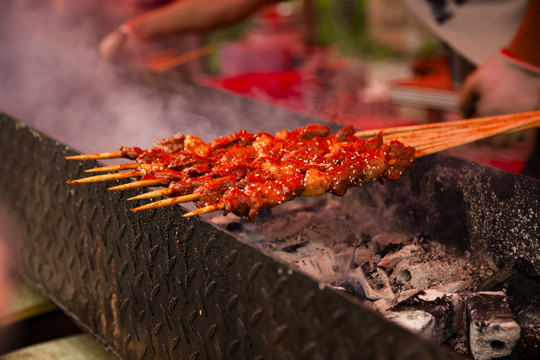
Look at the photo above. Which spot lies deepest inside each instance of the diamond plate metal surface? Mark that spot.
(156, 285)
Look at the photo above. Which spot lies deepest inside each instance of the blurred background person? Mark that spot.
(500, 38)
(144, 33)
(144, 28)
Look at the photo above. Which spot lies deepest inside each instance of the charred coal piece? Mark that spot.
(374, 287)
(418, 321)
(446, 312)
(519, 281)
(425, 271)
(493, 332)
(389, 261)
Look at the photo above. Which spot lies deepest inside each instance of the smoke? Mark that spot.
(53, 79)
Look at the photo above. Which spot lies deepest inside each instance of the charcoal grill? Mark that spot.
(156, 285)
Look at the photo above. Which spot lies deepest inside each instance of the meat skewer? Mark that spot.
(244, 172)
(262, 170)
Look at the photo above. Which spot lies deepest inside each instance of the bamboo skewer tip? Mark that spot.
(152, 194)
(168, 202)
(137, 184)
(205, 210)
(105, 177)
(128, 166)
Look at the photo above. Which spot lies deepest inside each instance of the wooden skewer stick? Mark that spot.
(139, 184)
(426, 138)
(163, 64)
(205, 210)
(466, 135)
(471, 123)
(162, 55)
(106, 177)
(453, 141)
(95, 156)
(430, 138)
(415, 137)
(168, 202)
(153, 194)
(113, 168)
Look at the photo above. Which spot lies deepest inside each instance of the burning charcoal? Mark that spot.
(378, 280)
(519, 281)
(426, 271)
(319, 265)
(446, 311)
(375, 288)
(493, 332)
(454, 286)
(392, 259)
(364, 258)
(405, 294)
(417, 321)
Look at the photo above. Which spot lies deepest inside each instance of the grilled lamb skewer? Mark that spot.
(244, 172)
(245, 196)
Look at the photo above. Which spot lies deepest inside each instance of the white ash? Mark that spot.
(347, 242)
(493, 331)
(351, 251)
(375, 286)
(446, 310)
(379, 282)
(453, 286)
(418, 321)
(392, 259)
(427, 270)
(320, 265)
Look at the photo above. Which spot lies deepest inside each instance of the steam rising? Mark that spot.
(53, 79)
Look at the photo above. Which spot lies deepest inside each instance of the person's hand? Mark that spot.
(502, 85)
(126, 45)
